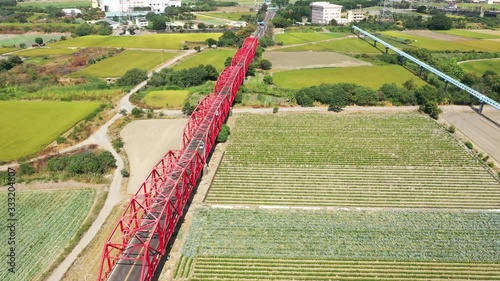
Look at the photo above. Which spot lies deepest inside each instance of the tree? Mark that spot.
(421, 9)
(439, 22)
(224, 133)
(22, 45)
(265, 64)
(211, 42)
(268, 79)
(39, 40)
(251, 70)
(202, 26)
(228, 61)
(188, 108)
(132, 77)
(137, 112)
(280, 3)
(83, 29)
(338, 101)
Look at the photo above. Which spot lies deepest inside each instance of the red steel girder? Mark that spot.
(146, 226)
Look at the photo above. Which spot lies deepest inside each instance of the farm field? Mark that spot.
(29, 38)
(370, 76)
(480, 67)
(155, 41)
(171, 99)
(348, 46)
(290, 38)
(30, 126)
(214, 57)
(39, 52)
(349, 160)
(59, 4)
(432, 44)
(234, 16)
(471, 34)
(47, 220)
(210, 20)
(6, 50)
(300, 60)
(265, 244)
(117, 65)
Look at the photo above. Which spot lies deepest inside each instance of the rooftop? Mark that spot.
(325, 5)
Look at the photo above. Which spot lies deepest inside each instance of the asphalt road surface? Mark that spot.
(483, 131)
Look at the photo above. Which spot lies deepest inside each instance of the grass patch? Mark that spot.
(470, 34)
(349, 45)
(480, 67)
(30, 126)
(431, 44)
(234, 16)
(117, 66)
(59, 4)
(305, 37)
(46, 223)
(45, 52)
(7, 50)
(166, 99)
(28, 39)
(214, 57)
(154, 41)
(370, 76)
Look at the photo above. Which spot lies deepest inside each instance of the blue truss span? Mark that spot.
(482, 98)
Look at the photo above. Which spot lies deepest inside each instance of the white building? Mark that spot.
(355, 15)
(324, 12)
(72, 11)
(141, 22)
(157, 6)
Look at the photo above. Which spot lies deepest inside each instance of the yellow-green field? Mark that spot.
(348, 45)
(59, 4)
(480, 67)
(432, 44)
(154, 41)
(166, 99)
(39, 52)
(27, 127)
(117, 66)
(470, 34)
(213, 57)
(235, 16)
(291, 38)
(370, 76)
(6, 50)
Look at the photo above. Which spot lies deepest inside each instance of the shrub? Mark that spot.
(452, 129)
(268, 79)
(60, 140)
(26, 169)
(125, 173)
(275, 109)
(39, 40)
(224, 133)
(188, 108)
(468, 144)
(137, 112)
(265, 64)
(118, 144)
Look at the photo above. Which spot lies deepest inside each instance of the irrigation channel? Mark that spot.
(139, 240)
(482, 98)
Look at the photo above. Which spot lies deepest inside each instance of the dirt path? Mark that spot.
(484, 133)
(146, 141)
(465, 61)
(101, 138)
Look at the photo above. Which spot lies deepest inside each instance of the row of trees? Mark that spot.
(83, 163)
(337, 96)
(184, 78)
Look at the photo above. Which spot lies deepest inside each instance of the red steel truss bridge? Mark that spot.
(136, 245)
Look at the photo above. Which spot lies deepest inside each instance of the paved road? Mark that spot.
(484, 133)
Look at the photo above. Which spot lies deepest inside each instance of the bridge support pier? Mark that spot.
(420, 69)
(481, 108)
(446, 86)
(374, 43)
(386, 50)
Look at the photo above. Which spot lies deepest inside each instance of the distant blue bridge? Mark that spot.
(482, 98)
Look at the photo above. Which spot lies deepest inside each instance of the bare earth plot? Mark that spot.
(481, 131)
(487, 31)
(146, 141)
(437, 36)
(298, 60)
